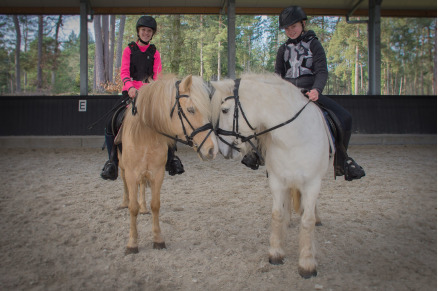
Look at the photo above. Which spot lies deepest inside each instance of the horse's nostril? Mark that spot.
(211, 152)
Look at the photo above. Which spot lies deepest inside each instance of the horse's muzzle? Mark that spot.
(207, 154)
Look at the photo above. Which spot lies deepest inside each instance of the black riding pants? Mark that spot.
(342, 114)
(114, 120)
(112, 126)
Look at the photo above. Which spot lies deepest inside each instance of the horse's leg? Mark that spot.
(318, 219)
(300, 211)
(155, 184)
(142, 198)
(132, 247)
(280, 215)
(125, 201)
(295, 203)
(307, 262)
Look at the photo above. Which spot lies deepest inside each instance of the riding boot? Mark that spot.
(110, 169)
(352, 170)
(173, 165)
(340, 157)
(345, 165)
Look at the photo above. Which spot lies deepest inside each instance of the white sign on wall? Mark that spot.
(82, 105)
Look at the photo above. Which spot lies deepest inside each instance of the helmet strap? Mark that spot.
(143, 42)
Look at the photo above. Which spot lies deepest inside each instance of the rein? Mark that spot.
(235, 132)
(189, 138)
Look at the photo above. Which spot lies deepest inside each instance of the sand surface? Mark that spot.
(61, 230)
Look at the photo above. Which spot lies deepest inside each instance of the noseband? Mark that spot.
(189, 138)
(235, 132)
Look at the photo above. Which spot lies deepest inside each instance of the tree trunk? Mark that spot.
(120, 42)
(432, 58)
(401, 86)
(99, 67)
(176, 58)
(219, 51)
(105, 34)
(25, 39)
(56, 52)
(201, 50)
(356, 69)
(40, 53)
(111, 48)
(17, 53)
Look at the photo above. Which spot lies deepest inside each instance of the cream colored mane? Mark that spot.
(155, 101)
(226, 88)
(262, 84)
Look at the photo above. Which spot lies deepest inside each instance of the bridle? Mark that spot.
(235, 131)
(182, 116)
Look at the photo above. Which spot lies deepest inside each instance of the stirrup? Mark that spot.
(352, 170)
(175, 167)
(109, 171)
(251, 160)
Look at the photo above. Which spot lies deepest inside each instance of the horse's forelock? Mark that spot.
(223, 89)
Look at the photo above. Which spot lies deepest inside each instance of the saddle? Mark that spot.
(117, 126)
(338, 134)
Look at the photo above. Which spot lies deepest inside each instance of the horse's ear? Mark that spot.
(186, 83)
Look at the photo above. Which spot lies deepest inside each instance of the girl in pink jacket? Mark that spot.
(141, 61)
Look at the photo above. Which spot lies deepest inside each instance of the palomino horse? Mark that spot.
(272, 117)
(167, 110)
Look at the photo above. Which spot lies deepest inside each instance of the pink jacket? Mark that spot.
(126, 61)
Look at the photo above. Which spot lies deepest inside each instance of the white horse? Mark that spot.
(295, 143)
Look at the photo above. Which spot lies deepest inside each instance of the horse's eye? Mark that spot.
(191, 110)
(225, 110)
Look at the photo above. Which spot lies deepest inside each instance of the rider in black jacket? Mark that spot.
(302, 61)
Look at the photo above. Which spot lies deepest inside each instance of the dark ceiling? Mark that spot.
(389, 8)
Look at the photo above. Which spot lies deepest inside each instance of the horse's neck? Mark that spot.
(274, 110)
(144, 133)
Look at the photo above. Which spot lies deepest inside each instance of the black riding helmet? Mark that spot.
(147, 21)
(291, 15)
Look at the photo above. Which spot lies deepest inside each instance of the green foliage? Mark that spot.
(197, 44)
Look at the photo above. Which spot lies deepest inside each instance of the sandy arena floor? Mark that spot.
(61, 230)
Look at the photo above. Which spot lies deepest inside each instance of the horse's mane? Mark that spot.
(227, 86)
(155, 101)
(263, 82)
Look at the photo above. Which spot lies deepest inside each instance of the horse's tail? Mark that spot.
(296, 200)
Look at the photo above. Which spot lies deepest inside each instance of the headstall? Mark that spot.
(182, 116)
(235, 131)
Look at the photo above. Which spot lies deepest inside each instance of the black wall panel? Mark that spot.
(60, 115)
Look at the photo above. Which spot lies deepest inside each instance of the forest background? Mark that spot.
(38, 59)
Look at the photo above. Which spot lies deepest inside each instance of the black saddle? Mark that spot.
(338, 133)
(117, 119)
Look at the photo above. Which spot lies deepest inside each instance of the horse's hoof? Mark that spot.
(121, 207)
(276, 261)
(145, 212)
(159, 246)
(129, 251)
(306, 274)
